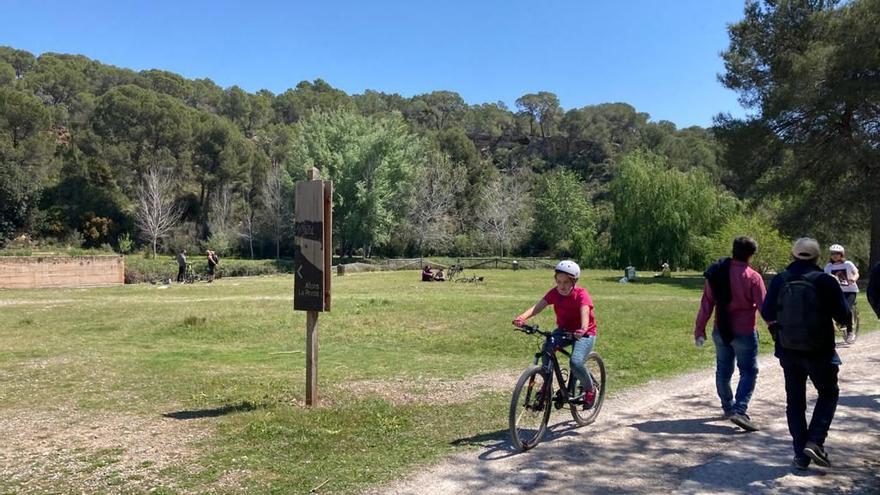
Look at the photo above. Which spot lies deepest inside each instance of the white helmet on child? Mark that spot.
(569, 267)
(836, 248)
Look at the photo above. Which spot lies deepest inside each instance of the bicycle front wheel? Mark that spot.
(530, 408)
(584, 414)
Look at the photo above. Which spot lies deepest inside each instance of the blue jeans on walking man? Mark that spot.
(743, 351)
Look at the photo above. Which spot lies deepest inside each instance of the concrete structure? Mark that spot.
(30, 272)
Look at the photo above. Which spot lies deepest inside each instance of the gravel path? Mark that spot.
(667, 436)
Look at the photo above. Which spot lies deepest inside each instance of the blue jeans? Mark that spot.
(743, 350)
(581, 349)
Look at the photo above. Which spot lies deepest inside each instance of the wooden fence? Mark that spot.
(29, 272)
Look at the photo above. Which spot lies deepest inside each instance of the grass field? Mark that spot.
(200, 388)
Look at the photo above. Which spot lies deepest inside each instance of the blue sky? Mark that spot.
(660, 56)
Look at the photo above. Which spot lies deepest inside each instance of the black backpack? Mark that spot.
(797, 312)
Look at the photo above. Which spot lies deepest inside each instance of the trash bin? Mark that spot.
(514, 264)
(340, 270)
(629, 272)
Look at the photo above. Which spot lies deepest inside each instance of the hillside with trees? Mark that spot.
(96, 155)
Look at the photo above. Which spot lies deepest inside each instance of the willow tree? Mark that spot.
(663, 214)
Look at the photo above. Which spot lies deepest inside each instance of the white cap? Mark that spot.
(805, 248)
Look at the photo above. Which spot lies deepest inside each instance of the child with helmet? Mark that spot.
(575, 322)
(847, 275)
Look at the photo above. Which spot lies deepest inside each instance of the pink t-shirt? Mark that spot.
(568, 309)
(747, 294)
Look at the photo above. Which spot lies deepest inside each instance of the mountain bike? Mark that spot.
(190, 276)
(534, 398)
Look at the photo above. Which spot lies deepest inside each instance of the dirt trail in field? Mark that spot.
(667, 436)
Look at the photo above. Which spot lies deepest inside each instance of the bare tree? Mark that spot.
(220, 216)
(433, 198)
(246, 225)
(505, 218)
(156, 212)
(272, 198)
(221, 219)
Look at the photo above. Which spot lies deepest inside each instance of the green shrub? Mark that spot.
(773, 248)
(125, 243)
(194, 321)
(140, 270)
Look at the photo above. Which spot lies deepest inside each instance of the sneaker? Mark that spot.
(743, 421)
(800, 462)
(590, 399)
(817, 454)
(726, 414)
(850, 337)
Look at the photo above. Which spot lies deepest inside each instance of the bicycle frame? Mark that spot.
(554, 367)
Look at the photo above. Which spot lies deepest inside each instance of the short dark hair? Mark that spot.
(743, 248)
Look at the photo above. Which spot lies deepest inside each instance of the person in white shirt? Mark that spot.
(846, 273)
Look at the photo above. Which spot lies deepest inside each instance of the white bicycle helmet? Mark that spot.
(836, 248)
(569, 267)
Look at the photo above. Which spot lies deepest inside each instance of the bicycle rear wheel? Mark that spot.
(596, 368)
(530, 408)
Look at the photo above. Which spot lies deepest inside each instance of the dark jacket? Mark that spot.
(874, 289)
(718, 276)
(831, 300)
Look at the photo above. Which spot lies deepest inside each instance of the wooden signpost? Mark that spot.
(312, 262)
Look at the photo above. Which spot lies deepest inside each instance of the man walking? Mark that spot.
(181, 266)
(735, 292)
(800, 304)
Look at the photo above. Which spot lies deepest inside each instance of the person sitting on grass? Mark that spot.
(427, 274)
(439, 277)
(576, 326)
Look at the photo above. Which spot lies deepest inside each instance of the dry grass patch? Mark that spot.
(94, 453)
(437, 391)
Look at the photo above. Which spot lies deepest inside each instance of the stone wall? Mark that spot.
(28, 272)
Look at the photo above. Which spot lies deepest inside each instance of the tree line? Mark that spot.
(96, 155)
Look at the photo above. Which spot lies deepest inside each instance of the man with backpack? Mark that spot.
(800, 304)
(735, 292)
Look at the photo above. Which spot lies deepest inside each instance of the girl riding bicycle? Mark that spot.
(575, 324)
(847, 275)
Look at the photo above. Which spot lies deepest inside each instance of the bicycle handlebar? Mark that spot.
(530, 329)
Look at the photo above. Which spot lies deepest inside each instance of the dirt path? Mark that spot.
(667, 437)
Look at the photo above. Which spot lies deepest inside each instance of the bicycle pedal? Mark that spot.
(558, 400)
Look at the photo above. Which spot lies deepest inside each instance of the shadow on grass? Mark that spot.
(215, 412)
(693, 282)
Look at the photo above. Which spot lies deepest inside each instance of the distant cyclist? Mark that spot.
(847, 275)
